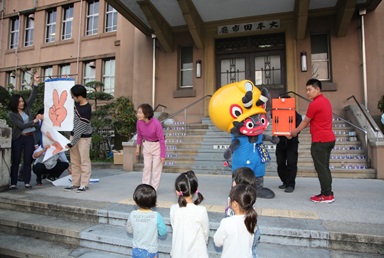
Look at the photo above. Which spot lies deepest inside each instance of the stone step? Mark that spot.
(77, 237)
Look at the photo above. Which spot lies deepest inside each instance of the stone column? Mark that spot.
(5, 159)
(129, 155)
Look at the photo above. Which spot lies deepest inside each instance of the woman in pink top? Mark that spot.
(150, 134)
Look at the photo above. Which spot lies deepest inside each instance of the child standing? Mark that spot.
(189, 220)
(245, 175)
(145, 224)
(236, 233)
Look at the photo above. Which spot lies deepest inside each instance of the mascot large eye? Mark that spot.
(235, 110)
(263, 119)
(249, 124)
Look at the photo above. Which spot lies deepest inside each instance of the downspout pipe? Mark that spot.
(153, 69)
(363, 12)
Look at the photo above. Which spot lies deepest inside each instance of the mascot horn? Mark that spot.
(240, 109)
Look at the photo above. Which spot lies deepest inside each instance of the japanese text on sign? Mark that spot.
(251, 26)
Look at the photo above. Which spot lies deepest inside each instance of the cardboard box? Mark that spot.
(118, 158)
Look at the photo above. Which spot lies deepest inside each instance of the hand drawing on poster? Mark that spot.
(58, 104)
(54, 139)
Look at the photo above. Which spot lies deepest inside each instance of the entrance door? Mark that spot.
(260, 59)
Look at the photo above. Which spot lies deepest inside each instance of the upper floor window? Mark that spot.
(110, 19)
(50, 27)
(109, 76)
(14, 33)
(186, 67)
(92, 17)
(320, 56)
(48, 71)
(89, 72)
(65, 69)
(67, 22)
(28, 32)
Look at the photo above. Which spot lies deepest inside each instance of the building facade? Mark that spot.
(174, 53)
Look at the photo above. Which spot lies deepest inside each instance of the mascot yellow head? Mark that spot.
(236, 102)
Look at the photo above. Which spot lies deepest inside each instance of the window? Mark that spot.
(65, 70)
(92, 17)
(320, 55)
(89, 72)
(28, 33)
(50, 26)
(26, 81)
(67, 22)
(14, 33)
(48, 71)
(109, 76)
(110, 19)
(186, 67)
(11, 80)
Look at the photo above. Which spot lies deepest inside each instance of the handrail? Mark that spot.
(159, 105)
(374, 128)
(341, 118)
(186, 107)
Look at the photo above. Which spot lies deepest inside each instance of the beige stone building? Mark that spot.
(173, 53)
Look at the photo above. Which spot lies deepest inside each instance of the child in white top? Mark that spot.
(145, 224)
(189, 220)
(236, 233)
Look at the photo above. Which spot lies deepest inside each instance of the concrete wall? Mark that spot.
(5, 159)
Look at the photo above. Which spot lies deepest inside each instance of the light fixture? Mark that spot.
(92, 64)
(198, 68)
(31, 16)
(303, 60)
(13, 75)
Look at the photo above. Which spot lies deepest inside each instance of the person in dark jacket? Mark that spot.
(23, 130)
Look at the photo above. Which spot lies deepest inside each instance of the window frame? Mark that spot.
(110, 89)
(94, 17)
(327, 60)
(26, 79)
(46, 73)
(14, 32)
(63, 68)
(50, 26)
(113, 14)
(89, 77)
(67, 22)
(183, 71)
(28, 31)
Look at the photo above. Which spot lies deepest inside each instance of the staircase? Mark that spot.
(200, 147)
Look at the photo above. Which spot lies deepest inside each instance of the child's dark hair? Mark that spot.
(186, 185)
(79, 90)
(145, 196)
(245, 196)
(147, 110)
(244, 175)
(14, 102)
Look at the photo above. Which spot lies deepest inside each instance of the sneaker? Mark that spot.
(70, 188)
(12, 187)
(283, 186)
(81, 189)
(289, 189)
(323, 198)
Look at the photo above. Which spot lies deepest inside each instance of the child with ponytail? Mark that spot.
(236, 233)
(189, 221)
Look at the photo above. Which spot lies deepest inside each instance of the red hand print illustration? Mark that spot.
(58, 113)
(55, 144)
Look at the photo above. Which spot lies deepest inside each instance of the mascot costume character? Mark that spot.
(240, 109)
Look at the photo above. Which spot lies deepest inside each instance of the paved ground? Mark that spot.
(356, 200)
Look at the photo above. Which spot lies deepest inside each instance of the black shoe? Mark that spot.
(283, 186)
(12, 187)
(28, 186)
(289, 189)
